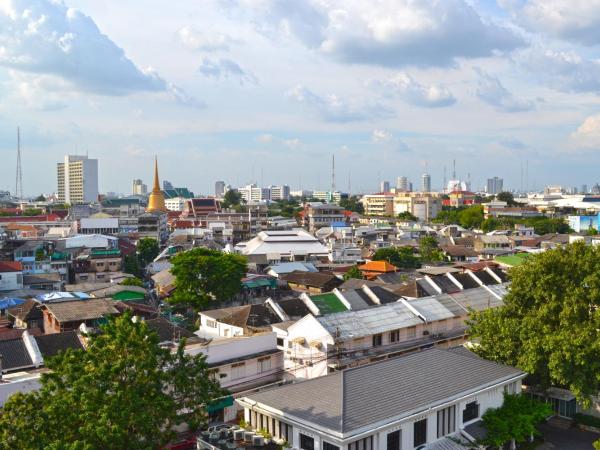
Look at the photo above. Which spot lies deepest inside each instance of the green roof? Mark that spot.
(128, 295)
(513, 260)
(58, 256)
(112, 252)
(178, 192)
(259, 282)
(328, 303)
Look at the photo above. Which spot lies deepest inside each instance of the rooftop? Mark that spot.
(75, 310)
(10, 266)
(328, 303)
(378, 266)
(513, 260)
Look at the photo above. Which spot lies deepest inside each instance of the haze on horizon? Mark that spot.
(227, 89)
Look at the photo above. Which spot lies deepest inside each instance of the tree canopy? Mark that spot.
(231, 198)
(354, 272)
(550, 321)
(402, 257)
(429, 250)
(203, 275)
(405, 215)
(467, 217)
(352, 204)
(507, 197)
(515, 420)
(132, 282)
(124, 391)
(147, 250)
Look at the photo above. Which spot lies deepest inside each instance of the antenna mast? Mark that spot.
(332, 174)
(19, 178)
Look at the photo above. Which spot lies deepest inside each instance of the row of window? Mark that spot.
(275, 427)
(238, 370)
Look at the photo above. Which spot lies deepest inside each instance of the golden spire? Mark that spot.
(156, 201)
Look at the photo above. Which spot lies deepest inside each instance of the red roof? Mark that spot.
(43, 218)
(11, 266)
(378, 266)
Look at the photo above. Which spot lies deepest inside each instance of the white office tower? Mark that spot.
(402, 184)
(139, 188)
(280, 192)
(426, 182)
(77, 180)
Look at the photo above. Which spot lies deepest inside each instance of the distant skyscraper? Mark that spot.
(402, 184)
(219, 189)
(139, 188)
(494, 185)
(167, 185)
(77, 180)
(426, 182)
(584, 189)
(384, 186)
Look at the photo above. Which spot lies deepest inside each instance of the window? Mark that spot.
(420, 433)
(395, 336)
(394, 441)
(363, 444)
(264, 364)
(328, 446)
(211, 323)
(213, 373)
(377, 340)
(471, 412)
(238, 370)
(510, 388)
(279, 342)
(411, 332)
(306, 442)
(446, 420)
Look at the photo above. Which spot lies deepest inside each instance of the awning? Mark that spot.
(218, 405)
(298, 340)
(8, 302)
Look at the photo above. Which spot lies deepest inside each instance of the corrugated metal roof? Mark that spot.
(362, 397)
(355, 299)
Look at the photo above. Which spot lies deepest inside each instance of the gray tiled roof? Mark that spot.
(362, 397)
(14, 354)
(355, 299)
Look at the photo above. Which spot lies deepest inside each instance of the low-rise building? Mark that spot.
(11, 275)
(69, 315)
(318, 215)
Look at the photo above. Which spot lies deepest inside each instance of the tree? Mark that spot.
(352, 204)
(429, 250)
(40, 198)
(354, 272)
(132, 282)
(592, 231)
(231, 198)
(131, 265)
(147, 250)
(550, 321)
(32, 212)
(515, 421)
(124, 391)
(405, 215)
(202, 275)
(471, 217)
(402, 257)
(506, 197)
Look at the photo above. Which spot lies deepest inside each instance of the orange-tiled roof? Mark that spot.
(11, 266)
(378, 266)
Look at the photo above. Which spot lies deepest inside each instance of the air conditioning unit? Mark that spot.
(248, 435)
(425, 333)
(238, 435)
(258, 441)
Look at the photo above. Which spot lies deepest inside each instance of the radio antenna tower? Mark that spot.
(332, 174)
(19, 178)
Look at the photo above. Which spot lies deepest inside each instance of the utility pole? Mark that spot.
(19, 177)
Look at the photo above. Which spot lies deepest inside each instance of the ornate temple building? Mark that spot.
(156, 200)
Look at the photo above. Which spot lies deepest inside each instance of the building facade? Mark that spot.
(494, 185)
(77, 179)
(139, 188)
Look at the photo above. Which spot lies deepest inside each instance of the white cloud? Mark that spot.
(565, 71)
(573, 20)
(413, 92)
(335, 109)
(265, 138)
(224, 68)
(292, 143)
(193, 39)
(46, 37)
(491, 91)
(391, 33)
(183, 98)
(587, 134)
(381, 136)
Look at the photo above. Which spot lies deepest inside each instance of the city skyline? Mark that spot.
(236, 84)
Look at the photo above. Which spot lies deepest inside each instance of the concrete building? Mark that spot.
(220, 189)
(138, 187)
(384, 187)
(280, 192)
(252, 193)
(77, 180)
(426, 182)
(176, 203)
(494, 185)
(378, 204)
(402, 184)
(11, 275)
(318, 215)
(423, 205)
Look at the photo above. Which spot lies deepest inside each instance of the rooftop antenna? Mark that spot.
(454, 169)
(19, 177)
(332, 173)
(444, 186)
(521, 188)
(349, 184)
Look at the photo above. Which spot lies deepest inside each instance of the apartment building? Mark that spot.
(378, 204)
(423, 205)
(77, 178)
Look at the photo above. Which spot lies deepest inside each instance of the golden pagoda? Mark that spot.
(156, 201)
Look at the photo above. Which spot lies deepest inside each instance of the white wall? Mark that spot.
(10, 281)
(18, 382)
(220, 330)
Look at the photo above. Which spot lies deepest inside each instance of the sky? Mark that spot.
(269, 90)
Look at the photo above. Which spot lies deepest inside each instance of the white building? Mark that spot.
(402, 184)
(280, 192)
(77, 180)
(252, 193)
(100, 225)
(175, 203)
(139, 188)
(410, 402)
(426, 182)
(11, 275)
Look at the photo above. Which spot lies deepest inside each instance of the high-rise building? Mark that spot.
(77, 180)
(426, 182)
(139, 188)
(402, 184)
(384, 186)
(280, 192)
(219, 189)
(167, 185)
(494, 185)
(156, 200)
(584, 189)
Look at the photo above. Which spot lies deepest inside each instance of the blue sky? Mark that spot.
(232, 89)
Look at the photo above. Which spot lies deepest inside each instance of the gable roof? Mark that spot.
(26, 311)
(75, 310)
(315, 279)
(378, 266)
(14, 354)
(359, 398)
(51, 344)
(10, 266)
(168, 331)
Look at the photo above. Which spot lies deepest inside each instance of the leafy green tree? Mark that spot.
(546, 225)
(124, 391)
(32, 212)
(401, 257)
(405, 215)
(354, 272)
(352, 204)
(429, 250)
(506, 197)
(132, 282)
(549, 325)
(40, 198)
(592, 231)
(131, 265)
(471, 217)
(202, 275)
(515, 421)
(231, 198)
(147, 250)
